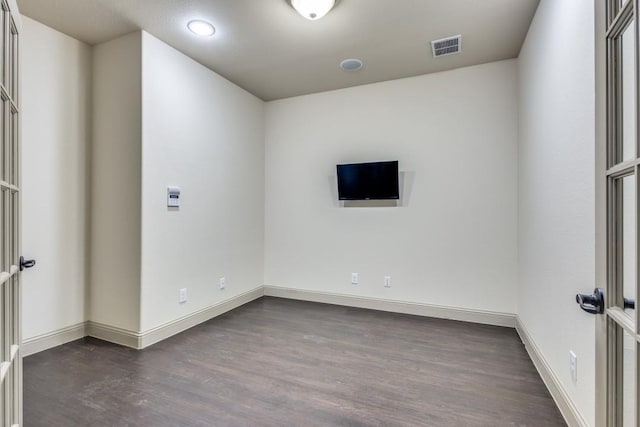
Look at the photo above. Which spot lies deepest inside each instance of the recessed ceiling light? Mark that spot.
(201, 28)
(351, 65)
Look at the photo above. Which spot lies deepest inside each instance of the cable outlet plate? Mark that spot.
(223, 283)
(182, 296)
(354, 278)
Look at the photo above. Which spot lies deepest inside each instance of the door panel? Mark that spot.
(10, 336)
(617, 356)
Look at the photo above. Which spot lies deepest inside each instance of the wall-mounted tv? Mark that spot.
(368, 181)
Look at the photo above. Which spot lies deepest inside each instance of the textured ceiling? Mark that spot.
(265, 47)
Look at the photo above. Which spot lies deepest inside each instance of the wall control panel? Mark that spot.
(173, 197)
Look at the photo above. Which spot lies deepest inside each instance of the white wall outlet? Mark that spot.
(354, 278)
(223, 283)
(573, 366)
(182, 298)
(387, 281)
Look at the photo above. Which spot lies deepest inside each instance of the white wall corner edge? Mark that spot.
(568, 409)
(417, 309)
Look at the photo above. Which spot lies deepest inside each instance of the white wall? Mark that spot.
(453, 240)
(556, 190)
(205, 135)
(116, 183)
(56, 106)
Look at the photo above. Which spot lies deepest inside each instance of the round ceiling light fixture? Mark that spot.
(313, 9)
(351, 64)
(201, 28)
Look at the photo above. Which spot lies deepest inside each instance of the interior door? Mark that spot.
(10, 337)
(617, 209)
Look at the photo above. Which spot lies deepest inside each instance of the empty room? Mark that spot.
(319, 213)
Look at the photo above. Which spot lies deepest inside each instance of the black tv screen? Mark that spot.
(368, 181)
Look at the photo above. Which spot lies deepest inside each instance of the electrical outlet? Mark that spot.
(354, 278)
(182, 296)
(223, 283)
(573, 366)
(387, 281)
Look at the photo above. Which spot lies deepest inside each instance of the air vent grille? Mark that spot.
(447, 46)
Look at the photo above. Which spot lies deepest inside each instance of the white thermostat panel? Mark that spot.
(173, 197)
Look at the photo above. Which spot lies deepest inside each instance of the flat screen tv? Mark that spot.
(368, 181)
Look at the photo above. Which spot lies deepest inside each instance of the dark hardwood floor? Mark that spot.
(276, 362)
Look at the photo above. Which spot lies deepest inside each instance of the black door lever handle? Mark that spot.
(629, 304)
(26, 263)
(593, 303)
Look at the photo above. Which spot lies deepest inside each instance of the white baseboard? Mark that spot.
(418, 309)
(140, 340)
(53, 339)
(568, 409)
(169, 329)
(144, 339)
(114, 335)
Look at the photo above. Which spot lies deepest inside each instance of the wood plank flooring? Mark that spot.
(277, 362)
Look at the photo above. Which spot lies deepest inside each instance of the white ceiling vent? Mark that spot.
(447, 46)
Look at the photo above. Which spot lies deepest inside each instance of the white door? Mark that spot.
(10, 358)
(617, 207)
